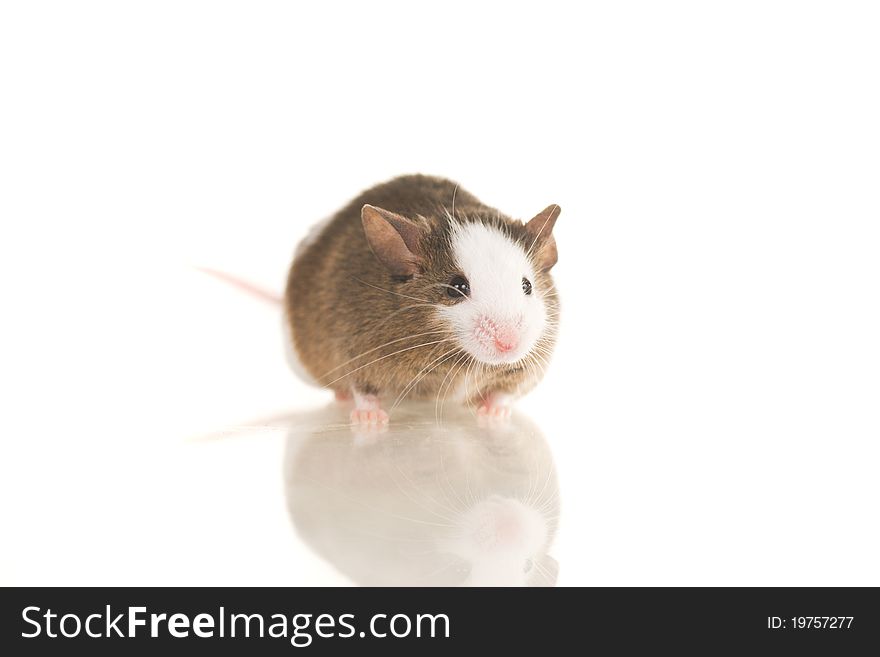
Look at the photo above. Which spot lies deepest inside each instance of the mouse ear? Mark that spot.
(539, 230)
(546, 575)
(395, 240)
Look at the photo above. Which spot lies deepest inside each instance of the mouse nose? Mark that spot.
(500, 337)
(504, 347)
(505, 340)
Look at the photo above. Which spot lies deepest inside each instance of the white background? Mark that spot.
(713, 405)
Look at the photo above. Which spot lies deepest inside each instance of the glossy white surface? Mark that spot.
(710, 416)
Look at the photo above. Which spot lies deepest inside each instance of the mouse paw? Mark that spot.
(494, 407)
(369, 417)
(367, 413)
(367, 425)
(366, 437)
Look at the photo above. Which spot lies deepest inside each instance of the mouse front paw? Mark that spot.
(367, 412)
(494, 406)
(369, 417)
(368, 425)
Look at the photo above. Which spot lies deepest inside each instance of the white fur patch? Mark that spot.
(494, 266)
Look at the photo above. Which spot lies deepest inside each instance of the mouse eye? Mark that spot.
(458, 288)
(527, 286)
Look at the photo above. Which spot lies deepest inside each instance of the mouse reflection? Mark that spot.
(457, 504)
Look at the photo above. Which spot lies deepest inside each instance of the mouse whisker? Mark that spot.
(414, 486)
(541, 569)
(376, 360)
(369, 351)
(441, 396)
(451, 491)
(451, 287)
(416, 501)
(538, 365)
(471, 368)
(430, 367)
(404, 309)
(382, 289)
(538, 501)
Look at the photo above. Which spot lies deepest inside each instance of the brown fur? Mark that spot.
(342, 304)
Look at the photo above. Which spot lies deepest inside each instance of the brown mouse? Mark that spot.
(417, 289)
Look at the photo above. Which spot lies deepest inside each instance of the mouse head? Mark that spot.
(503, 542)
(487, 277)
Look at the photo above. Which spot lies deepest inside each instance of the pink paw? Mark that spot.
(495, 407)
(367, 413)
(369, 417)
(500, 412)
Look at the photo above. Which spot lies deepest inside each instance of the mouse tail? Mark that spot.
(245, 286)
(276, 300)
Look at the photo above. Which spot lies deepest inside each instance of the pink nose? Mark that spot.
(505, 341)
(503, 336)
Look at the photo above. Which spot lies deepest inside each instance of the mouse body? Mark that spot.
(416, 289)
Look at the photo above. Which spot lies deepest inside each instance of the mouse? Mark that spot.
(416, 289)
